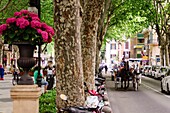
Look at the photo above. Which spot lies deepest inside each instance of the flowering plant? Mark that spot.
(26, 26)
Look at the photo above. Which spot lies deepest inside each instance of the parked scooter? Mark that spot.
(79, 109)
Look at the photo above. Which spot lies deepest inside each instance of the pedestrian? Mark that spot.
(1, 73)
(43, 82)
(106, 68)
(15, 73)
(50, 69)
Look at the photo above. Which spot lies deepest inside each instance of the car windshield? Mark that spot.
(163, 69)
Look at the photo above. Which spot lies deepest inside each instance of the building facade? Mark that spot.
(144, 47)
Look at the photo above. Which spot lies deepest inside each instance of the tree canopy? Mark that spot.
(128, 18)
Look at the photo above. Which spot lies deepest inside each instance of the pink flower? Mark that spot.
(44, 36)
(26, 17)
(39, 31)
(33, 14)
(17, 14)
(50, 30)
(24, 11)
(35, 18)
(44, 25)
(3, 27)
(22, 23)
(35, 24)
(10, 20)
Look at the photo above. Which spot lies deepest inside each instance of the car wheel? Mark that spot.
(168, 92)
(162, 90)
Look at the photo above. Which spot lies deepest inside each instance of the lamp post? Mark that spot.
(36, 4)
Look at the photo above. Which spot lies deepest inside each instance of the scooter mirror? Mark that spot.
(63, 97)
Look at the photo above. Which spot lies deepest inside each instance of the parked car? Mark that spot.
(163, 70)
(165, 83)
(148, 71)
(145, 70)
(155, 68)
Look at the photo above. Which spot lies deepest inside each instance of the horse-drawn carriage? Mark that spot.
(124, 78)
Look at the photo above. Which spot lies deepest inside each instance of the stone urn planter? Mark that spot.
(26, 61)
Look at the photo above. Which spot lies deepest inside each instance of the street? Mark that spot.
(148, 99)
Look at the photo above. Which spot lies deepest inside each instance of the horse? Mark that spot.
(123, 73)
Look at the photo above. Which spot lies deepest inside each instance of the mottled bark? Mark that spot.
(69, 74)
(91, 14)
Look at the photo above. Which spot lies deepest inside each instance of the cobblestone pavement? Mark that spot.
(5, 99)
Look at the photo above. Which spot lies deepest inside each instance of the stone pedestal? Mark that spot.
(25, 98)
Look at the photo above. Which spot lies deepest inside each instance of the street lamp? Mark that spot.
(35, 5)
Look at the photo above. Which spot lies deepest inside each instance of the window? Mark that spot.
(127, 45)
(115, 46)
(110, 46)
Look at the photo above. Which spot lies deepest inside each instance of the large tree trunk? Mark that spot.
(91, 13)
(69, 72)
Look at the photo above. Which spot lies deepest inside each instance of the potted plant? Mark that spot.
(26, 26)
(26, 30)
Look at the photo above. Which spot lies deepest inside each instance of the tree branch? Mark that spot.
(5, 5)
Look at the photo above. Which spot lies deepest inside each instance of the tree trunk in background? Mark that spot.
(91, 14)
(166, 50)
(161, 43)
(105, 16)
(69, 72)
(169, 53)
(162, 53)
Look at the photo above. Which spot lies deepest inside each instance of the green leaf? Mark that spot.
(26, 36)
(11, 35)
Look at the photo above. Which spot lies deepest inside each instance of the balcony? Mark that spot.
(138, 46)
(140, 36)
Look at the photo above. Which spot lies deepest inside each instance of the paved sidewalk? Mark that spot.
(5, 99)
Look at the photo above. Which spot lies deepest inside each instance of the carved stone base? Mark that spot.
(25, 98)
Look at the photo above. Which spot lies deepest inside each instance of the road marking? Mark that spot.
(156, 90)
